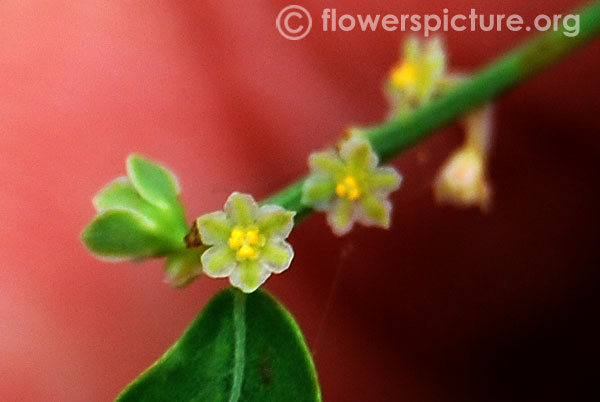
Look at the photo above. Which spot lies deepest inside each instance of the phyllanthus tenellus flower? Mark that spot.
(418, 77)
(462, 179)
(246, 242)
(349, 186)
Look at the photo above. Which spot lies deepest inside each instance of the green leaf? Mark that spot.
(155, 183)
(120, 194)
(241, 348)
(125, 234)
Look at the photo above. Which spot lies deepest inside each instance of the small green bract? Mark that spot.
(349, 186)
(246, 242)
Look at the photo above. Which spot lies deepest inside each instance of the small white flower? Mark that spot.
(350, 187)
(246, 242)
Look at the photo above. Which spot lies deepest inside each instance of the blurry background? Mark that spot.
(451, 305)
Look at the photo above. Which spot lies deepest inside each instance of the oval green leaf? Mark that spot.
(123, 233)
(120, 194)
(241, 348)
(154, 182)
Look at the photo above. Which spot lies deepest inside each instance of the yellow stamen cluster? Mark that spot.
(348, 188)
(404, 75)
(244, 242)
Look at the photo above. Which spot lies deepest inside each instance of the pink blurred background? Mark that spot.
(451, 305)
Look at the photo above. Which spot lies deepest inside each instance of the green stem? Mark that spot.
(506, 72)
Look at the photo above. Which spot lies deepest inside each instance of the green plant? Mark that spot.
(247, 347)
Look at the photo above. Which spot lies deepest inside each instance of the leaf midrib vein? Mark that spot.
(239, 351)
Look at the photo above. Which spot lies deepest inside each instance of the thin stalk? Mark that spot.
(503, 74)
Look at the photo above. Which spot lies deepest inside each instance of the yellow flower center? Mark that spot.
(404, 75)
(245, 242)
(348, 188)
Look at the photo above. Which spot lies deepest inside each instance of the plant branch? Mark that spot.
(504, 73)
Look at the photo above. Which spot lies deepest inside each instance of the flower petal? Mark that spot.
(318, 190)
(214, 228)
(432, 68)
(241, 209)
(341, 216)
(327, 163)
(411, 50)
(385, 180)
(218, 261)
(277, 255)
(275, 221)
(375, 211)
(249, 275)
(358, 153)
